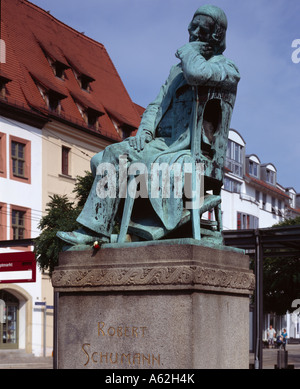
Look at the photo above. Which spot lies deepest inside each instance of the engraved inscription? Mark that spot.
(127, 359)
(97, 355)
(120, 331)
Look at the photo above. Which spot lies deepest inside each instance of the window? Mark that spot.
(92, 118)
(52, 99)
(20, 222)
(257, 195)
(9, 323)
(232, 185)
(3, 82)
(273, 205)
(3, 223)
(264, 201)
(83, 80)
(270, 177)
(89, 115)
(65, 160)
(280, 211)
(44, 93)
(20, 159)
(55, 60)
(58, 68)
(234, 158)
(253, 168)
(54, 102)
(85, 83)
(245, 221)
(2, 90)
(2, 155)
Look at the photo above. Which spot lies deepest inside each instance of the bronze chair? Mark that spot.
(211, 116)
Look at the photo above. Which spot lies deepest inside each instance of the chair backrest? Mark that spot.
(209, 142)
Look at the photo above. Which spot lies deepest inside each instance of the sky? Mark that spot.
(142, 36)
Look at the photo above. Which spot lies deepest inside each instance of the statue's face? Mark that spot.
(201, 29)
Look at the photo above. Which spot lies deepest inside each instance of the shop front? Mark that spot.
(9, 323)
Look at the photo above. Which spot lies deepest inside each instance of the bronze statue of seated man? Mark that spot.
(166, 132)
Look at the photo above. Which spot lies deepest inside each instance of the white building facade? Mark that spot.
(20, 212)
(252, 198)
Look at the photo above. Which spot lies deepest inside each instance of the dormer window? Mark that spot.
(2, 90)
(270, 177)
(253, 168)
(123, 127)
(51, 95)
(3, 82)
(83, 80)
(234, 158)
(89, 115)
(85, 83)
(44, 93)
(268, 173)
(58, 68)
(52, 99)
(55, 59)
(88, 110)
(123, 130)
(54, 102)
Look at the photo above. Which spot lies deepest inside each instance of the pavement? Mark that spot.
(18, 359)
(270, 357)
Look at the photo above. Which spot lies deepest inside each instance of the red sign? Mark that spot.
(17, 267)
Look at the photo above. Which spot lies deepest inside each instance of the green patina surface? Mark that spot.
(188, 122)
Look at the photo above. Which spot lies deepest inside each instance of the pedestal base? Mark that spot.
(160, 306)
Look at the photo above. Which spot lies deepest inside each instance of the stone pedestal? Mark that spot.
(153, 305)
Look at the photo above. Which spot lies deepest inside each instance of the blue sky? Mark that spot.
(142, 36)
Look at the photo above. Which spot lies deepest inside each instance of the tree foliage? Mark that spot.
(289, 222)
(61, 216)
(281, 278)
(82, 188)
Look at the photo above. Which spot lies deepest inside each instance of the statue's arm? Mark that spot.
(149, 117)
(146, 130)
(199, 71)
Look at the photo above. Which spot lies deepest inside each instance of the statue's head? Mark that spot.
(209, 25)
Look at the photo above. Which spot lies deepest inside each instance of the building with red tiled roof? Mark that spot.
(63, 82)
(51, 69)
(61, 101)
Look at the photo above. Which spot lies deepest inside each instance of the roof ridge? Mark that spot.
(41, 10)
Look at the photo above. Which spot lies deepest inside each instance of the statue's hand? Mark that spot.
(203, 48)
(138, 142)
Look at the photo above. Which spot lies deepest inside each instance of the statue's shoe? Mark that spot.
(80, 237)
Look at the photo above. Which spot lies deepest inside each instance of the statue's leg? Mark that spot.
(99, 212)
(100, 209)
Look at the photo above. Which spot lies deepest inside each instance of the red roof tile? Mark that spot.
(30, 35)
